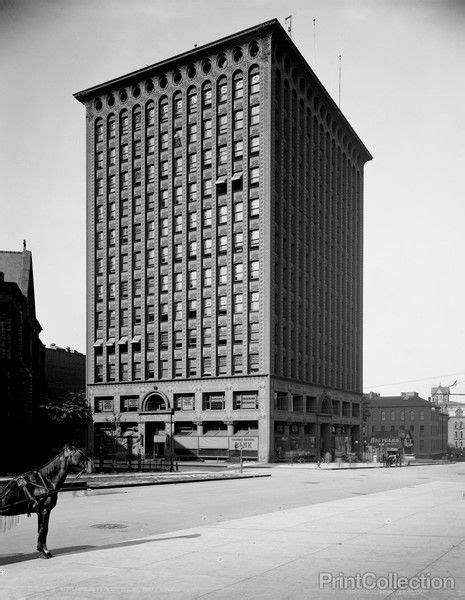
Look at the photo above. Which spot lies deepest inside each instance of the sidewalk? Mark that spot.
(117, 480)
(408, 531)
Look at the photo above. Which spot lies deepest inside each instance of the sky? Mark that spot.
(403, 91)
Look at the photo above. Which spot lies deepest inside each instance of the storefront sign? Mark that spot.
(247, 443)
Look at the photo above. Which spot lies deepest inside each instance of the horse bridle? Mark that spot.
(86, 458)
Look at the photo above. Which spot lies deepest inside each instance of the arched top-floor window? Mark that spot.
(238, 85)
(99, 130)
(136, 118)
(177, 105)
(163, 109)
(222, 90)
(206, 94)
(123, 122)
(254, 80)
(150, 113)
(192, 99)
(111, 124)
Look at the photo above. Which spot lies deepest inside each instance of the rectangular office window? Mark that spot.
(207, 129)
(213, 401)
(164, 283)
(222, 333)
(192, 338)
(238, 241)
(237, 363)
(254, 238)
(178, 282)
(192, 192)
(206, 365)
(222, 124)
(129, 403)
(207, 188)
(238, 271)
(253, 363)
(178, 165)
(178, 311)
(254, 332)
(192, 162)
(207, 336)
(222, 365)
(254, 301)
(207, 277)
(238, 120)
(245, 400)
(124, 180)
(254, 147)
(192, 367)
(254, 115)
(184, 401)
(222, 244)
(222, 305)
(178, 224)
(124, 154)
(254, 207)
(150, 313)
(254, 176)
(238, 303)
(254, 269)
(207, 247)
(192, 308)
(238, 149)
(222, 155)
(237, 333)
(238, 212)
(150, 145)
(207, 307)
(192, 249)
(103, 403)
(207, 158)
(192, 278)
(222, 275)
(164, 168)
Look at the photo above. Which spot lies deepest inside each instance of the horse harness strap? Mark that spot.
(23, 481)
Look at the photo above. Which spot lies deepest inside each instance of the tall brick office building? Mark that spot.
(225, 212)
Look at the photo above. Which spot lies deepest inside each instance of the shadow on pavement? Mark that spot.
(16, 558)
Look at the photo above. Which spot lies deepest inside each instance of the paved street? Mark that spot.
(262, 538)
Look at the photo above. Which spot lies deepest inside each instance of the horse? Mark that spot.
(37, 491)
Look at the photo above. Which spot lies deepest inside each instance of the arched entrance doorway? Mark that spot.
(156, 431)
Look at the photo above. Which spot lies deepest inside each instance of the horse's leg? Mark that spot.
(43, 515)
(45, 550)
(40, 527)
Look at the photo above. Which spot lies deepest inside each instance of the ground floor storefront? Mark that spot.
(260, 418)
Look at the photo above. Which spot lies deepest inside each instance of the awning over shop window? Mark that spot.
(110, 342)
(220, 180)
(236, 177)
(98, 343)
(135, 339)
(123, 341)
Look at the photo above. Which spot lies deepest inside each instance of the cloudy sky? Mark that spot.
(403, 90)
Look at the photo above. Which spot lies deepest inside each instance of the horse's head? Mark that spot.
(77, 458)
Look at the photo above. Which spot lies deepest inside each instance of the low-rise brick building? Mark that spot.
(424, 419)
(65, 370)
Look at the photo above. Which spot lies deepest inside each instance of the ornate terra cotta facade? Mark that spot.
(225, 215)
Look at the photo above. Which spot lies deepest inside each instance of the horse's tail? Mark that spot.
(8, 522)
